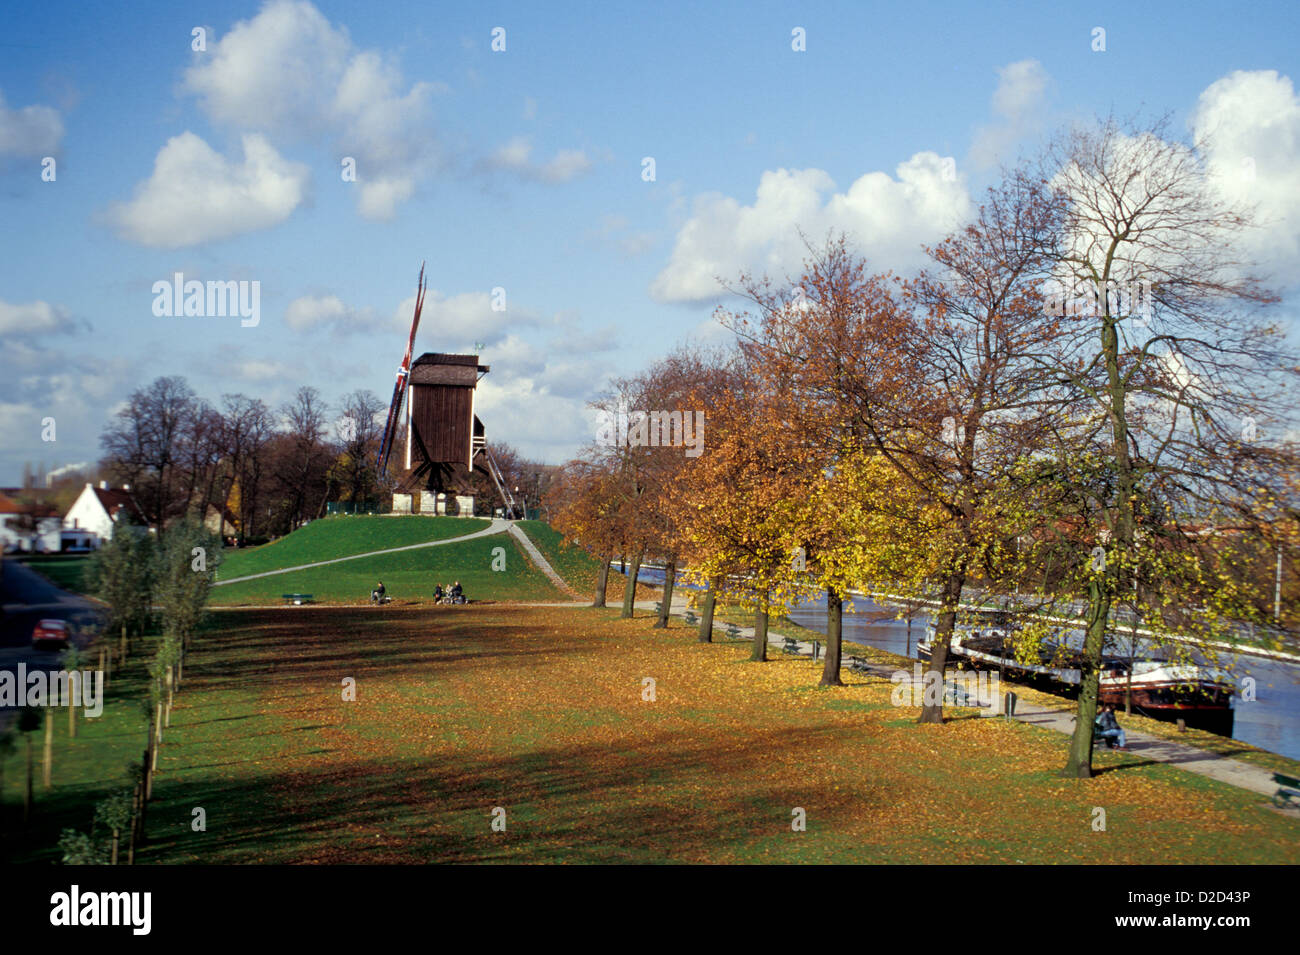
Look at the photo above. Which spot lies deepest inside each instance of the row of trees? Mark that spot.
(155, 591)
(1079, 406)
(268, 469)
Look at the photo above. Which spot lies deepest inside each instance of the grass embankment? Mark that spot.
(408, 576)
(85, 769)
(1201, 739)
(333, 537)
(540, 711)
(63, 570)
(578, 568)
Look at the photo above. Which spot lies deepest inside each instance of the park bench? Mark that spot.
(297, 599)
(791, 645)
(859, 665)
(1288, 791)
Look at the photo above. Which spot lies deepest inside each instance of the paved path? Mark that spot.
(498, 526)
(543, 565)
(1151, 748)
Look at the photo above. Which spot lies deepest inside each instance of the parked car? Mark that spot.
(51, 635)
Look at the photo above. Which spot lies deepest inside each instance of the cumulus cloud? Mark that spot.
(197, 195)
(40, 379)
(30, 132)
(1250, 123)
(311, 311)
(456, 323)
(888, 217)
(289, 72)
(34, 320)
(1018, 104)
(515, 157)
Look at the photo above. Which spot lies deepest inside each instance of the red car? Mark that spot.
(51, 635)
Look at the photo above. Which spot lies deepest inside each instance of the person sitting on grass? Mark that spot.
(457, 595)
(1108, 728)
(377, 595)
(438, 593)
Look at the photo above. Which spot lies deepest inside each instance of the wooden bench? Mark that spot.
(1288, 791)
(297, 599)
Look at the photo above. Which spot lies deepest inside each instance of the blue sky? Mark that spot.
(523, 170)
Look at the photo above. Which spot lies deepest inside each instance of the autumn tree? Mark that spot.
(930, 375)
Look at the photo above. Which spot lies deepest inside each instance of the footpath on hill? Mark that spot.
(498, 526)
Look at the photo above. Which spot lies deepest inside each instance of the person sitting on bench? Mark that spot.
(377, 595)
(456, 594)
(1108, 728)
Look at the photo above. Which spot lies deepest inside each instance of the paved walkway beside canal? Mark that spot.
(1147, 747)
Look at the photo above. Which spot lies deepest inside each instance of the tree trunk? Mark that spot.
(72, 719)
(122, 652)
(1079, 763)
(706, 618)
(665, 608)
(629, 592)
(47, 766)
(603, 581)
(933, 712)
(759, 652)
(113, 858)
(834, 644)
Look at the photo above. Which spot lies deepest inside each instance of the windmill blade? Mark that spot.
(403, 377)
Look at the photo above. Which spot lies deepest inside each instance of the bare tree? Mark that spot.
(1165, 341)
(143, 446)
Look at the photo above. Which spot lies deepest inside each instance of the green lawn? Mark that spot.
(540, 712)
(407, 576)
(333, 537)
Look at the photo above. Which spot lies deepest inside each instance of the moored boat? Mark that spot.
(1157, 687)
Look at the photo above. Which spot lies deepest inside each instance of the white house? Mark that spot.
(97, 508)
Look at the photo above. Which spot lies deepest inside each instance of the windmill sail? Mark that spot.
(403, 377)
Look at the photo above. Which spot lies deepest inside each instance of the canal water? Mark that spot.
(1271, 721)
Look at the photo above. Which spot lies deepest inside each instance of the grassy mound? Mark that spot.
(408, 576)
(334, 537)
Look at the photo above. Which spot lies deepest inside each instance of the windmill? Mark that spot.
(445, 440)
(403, 378)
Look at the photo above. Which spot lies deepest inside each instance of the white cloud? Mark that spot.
(888, 218)
(1251, 123)
(289, 72)
(514, 157)
(1018, 103)
(456, 323)
(30, 132)
(196, 195)
(310, 312)
(35, 319)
